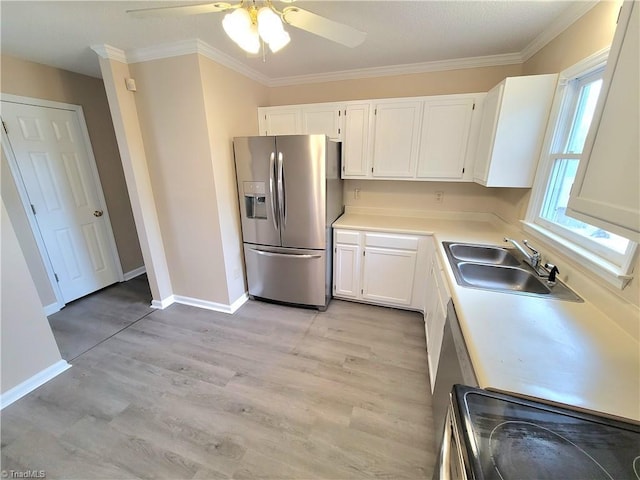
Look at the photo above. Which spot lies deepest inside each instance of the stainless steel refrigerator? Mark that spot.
(290, 192)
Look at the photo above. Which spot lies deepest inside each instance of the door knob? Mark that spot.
(98, 213)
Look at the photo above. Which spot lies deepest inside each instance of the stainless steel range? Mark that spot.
(502, 437)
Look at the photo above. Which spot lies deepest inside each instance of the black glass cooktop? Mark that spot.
(509, 437)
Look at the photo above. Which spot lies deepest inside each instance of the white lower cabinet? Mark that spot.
(435, 314)
(346, 264)
(380, 268)
(395, 286)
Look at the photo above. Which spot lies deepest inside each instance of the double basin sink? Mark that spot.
(501, 269)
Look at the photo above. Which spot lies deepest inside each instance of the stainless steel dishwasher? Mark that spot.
(454, 367)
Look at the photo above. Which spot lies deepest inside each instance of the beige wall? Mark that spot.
(188, 143)
(469, 80)
(24, 78)
(27, 344)
(591, 33)
(407, 195)
(124, 113)
(230, 101)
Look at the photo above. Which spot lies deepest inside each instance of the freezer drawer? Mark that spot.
(286, 275)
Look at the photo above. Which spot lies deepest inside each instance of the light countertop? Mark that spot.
(565, 352)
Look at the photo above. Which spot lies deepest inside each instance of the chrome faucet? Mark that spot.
(532, 259)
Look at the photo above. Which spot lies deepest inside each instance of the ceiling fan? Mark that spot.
(248, 23)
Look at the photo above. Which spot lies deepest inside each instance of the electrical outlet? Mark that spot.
(356, 194)
(439, 197)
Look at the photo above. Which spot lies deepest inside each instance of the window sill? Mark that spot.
(607, 271)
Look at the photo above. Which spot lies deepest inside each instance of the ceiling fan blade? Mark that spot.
(323, 27)
(180, 10)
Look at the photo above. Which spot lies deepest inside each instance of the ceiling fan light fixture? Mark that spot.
(278, 43)
(236, 24)
(246, 26)
(271, 29)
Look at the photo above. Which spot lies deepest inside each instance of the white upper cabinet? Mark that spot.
(446, 125)
(322, 119)
(396, 138)
(606, 190)
(279, 120)
(356, 146)
(414, 138)
(512, 128)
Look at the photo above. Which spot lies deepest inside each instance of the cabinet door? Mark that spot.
(396, 139)
(605, 192)
(346, 271)
(322, 119)
(434, 345)
(388, 275)
(487, 134)
(280, 121)
(445, 133)
(514, 121)
(355, 145)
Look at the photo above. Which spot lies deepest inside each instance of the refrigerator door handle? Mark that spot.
(282, 194)
(272, 167)
(288, 255)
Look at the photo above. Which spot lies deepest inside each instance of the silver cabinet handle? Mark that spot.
(272, 163)
(288, 255)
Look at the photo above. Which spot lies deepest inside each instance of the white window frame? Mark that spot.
(614, 268)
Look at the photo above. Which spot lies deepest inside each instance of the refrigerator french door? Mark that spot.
(290, 192)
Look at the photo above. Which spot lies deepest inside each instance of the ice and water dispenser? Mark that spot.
(255, 199)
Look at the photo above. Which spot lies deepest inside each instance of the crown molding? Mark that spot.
(197, 46)
(112, 53)
(191, 46)
(406, 69)
(217, 56)
(559, 25)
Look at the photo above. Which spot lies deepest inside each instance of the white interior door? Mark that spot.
(58, 173)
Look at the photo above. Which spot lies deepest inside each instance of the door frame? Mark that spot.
(26, 204)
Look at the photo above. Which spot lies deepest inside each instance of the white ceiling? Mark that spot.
(401, 35)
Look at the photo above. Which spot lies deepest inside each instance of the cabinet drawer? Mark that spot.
(403, 242)
(348, 237)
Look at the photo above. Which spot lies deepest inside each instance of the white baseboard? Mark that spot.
(206, 304)
(51, 308)
(32, 383)
(196, 302)
(136, 272)
(164, 303)
(244, 298)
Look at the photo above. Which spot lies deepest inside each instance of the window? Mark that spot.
(571, 117)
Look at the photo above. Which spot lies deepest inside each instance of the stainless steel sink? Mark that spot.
(500, 269)
(501, 278)
(482, 254)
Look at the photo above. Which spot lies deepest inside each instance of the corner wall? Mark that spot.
(29, 79)
(188, 147)
(28, 347)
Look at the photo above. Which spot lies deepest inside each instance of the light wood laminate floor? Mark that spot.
(270, 392)
(86, 322)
